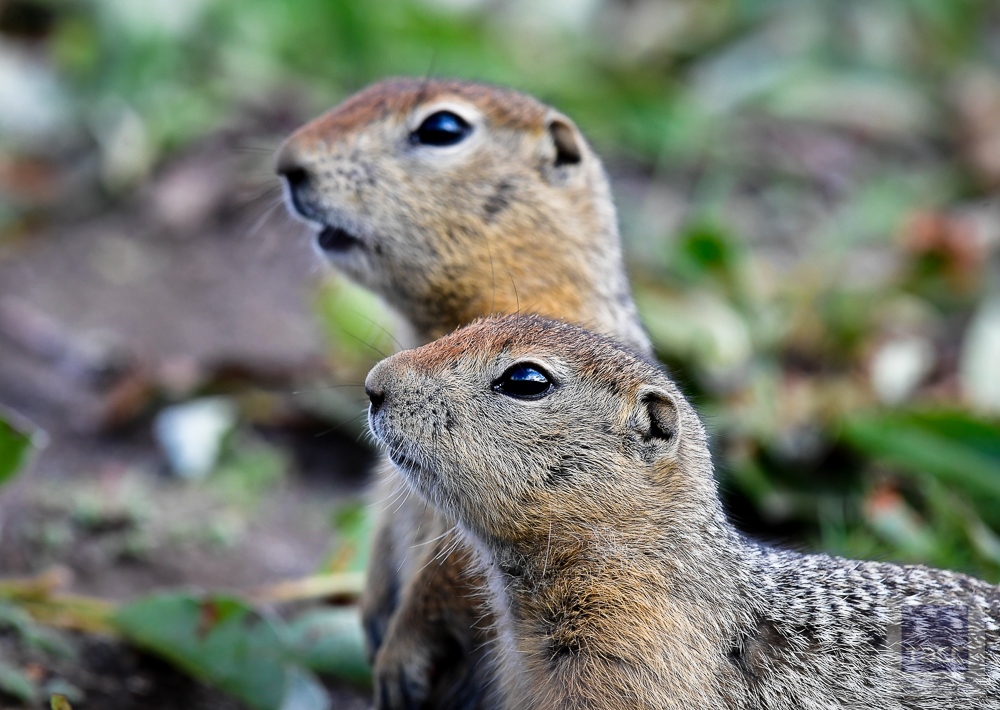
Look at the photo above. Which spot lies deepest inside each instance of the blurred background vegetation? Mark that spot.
(809, 193)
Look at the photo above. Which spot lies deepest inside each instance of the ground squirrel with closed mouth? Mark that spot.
(453, 201)
(582, 479)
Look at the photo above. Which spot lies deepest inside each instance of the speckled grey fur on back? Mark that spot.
(834, 622)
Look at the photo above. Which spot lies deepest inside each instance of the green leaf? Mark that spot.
(15, 449)
(248, 472)
(59, 702)
(953, 447)
(331, 641)
(223, 641)
(17, 684)
(706, 250)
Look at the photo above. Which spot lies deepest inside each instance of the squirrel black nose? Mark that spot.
(294, 174)
(290, 168)
(376, 396)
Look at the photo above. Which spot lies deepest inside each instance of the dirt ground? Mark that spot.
(196, 284)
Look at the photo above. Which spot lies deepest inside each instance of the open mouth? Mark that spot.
(336, 239)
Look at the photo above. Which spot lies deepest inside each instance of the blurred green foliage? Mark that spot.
(15, 448)
(40, 639)
(248, 471)
(330, 640)
(664, 92)
(224, 641)
(354, 524)
(15, 683)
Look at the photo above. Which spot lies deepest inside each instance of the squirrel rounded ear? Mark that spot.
(658, 419)
(566, 139)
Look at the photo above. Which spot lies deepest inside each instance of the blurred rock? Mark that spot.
(532, 15)
(984, 220)
(882, 33)
(154, 18)
(979, 368)
(91, 378)
(800, 444)
(92, 358)
(191, 434)
(899, 366)
(34, 107)
(127, 154)
(637, 31)
(754, 64)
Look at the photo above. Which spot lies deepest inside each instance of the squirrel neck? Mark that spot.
(582, 280)
(683, 558)
(635, 593)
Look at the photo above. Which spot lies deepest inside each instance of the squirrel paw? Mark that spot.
(402, 677)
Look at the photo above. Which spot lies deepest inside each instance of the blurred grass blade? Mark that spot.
(15, 683)
(954, 447)
(357, 324)
(354, 524)
(16, 446)
(39, 597)
(59, 702)
(35, 636)
(341, 584)
(892, 518)
(225, 642)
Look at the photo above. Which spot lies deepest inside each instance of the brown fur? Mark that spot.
(619, 583)
(497, 224)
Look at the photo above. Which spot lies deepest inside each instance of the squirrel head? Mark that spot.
(515, 424)
(453, 200)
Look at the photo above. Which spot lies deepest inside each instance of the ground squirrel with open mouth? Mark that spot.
(453, 201)
(582, 479)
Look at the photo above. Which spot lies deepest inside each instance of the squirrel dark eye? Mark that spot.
(524, 382)
(440, 129)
